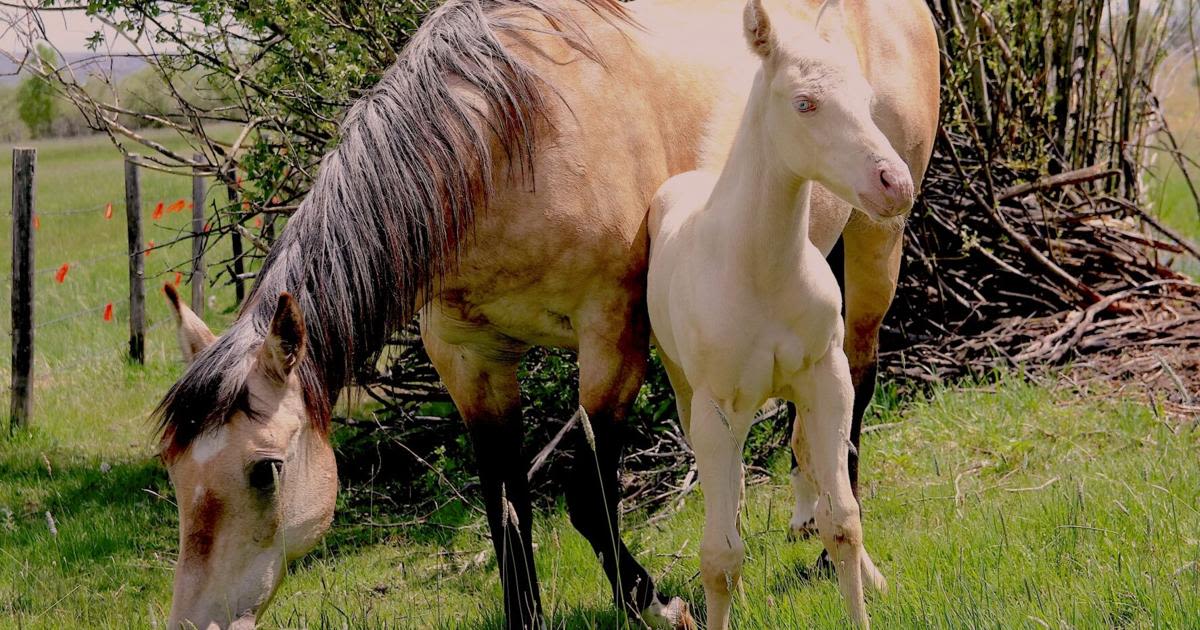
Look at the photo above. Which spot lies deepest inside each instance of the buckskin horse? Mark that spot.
(496, 181)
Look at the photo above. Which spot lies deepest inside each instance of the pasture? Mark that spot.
(997, 503)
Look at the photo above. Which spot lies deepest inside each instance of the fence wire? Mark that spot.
(83, 262)
(73, 315)
(74, 211)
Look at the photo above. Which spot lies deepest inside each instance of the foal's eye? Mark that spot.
(264, 473)
(805, 104)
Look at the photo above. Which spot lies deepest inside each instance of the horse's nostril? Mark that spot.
(883, 179)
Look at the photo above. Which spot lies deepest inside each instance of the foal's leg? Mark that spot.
(824, 404)
(872, 254)
(804, 522)
(717, 438)
(613, 349)
(682, 389)
(482, 380)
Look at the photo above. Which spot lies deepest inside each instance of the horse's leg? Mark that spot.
(482, 380)
(613, 349)
(825, 400)
(717, 437)
(869, 274)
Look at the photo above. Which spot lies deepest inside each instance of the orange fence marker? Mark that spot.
(108, 210)
(149, 247)
(108, 312)
(177, 206)
(178, 277)
(37, 222)
(158, 211)
(61, 274)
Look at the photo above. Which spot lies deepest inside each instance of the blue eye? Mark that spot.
(805, 104)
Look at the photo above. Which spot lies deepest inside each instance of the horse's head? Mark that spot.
(818, 111)
(254, 477)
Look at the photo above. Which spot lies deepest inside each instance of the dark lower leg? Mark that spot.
(864, 391)
(612, 364)
(502, 468)
(592, 498)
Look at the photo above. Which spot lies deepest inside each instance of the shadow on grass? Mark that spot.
(73, 528)
(98, 510)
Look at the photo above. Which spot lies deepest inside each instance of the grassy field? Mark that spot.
(993, 505)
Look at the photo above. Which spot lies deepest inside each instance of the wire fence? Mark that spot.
(83, 297)
(105, 309)
(72, 264)
(106, 206)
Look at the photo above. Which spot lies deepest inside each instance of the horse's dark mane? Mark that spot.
(389, 206)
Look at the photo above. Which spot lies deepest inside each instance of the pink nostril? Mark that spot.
(883, 179)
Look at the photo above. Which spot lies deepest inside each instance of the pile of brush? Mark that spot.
(1032, 244)
(1007, 270)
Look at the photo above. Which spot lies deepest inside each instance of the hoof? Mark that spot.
(673, 615)
(802, 531)
(872, 578)
(824, 567)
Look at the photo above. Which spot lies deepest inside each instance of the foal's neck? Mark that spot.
(760, 207)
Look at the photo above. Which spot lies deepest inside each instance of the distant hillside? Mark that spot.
(84, 64)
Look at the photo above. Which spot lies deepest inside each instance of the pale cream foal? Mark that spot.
(744, 308)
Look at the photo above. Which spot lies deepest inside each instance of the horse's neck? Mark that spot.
(759, 209)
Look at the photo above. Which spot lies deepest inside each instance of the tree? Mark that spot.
(36, 100)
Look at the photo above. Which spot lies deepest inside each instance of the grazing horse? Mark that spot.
(496, 181)
(743, 307)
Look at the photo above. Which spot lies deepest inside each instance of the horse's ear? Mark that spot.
(285, 343)
(758, 29)
(193, 334)
(831, 19)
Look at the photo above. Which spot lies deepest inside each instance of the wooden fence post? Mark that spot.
(21, 409)
(239, 284)
(198, 238)
(137, 275)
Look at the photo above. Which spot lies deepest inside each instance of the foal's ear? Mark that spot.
(193, 335)
(758, 29)
(285, 343)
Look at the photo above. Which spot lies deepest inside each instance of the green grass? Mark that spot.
(90, 404)
(992, 506)
(989, 506)
(83, 391)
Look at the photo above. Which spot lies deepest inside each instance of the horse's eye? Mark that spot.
(805, 104)
(264, 473)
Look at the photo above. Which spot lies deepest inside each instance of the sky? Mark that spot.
(67, 30)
